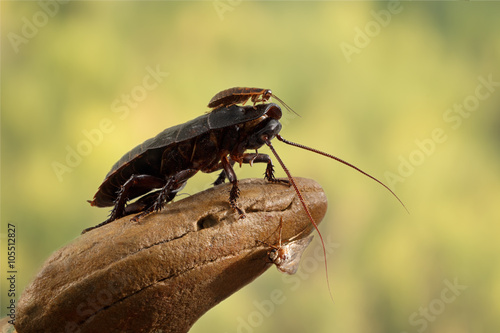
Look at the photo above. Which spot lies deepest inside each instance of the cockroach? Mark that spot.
(211, 142)
(287, 256)
(237, 95)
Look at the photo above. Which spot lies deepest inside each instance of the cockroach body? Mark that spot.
(211, 142)
(237, 95)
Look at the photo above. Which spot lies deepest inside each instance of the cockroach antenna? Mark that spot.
(279, 137)
(303, 203)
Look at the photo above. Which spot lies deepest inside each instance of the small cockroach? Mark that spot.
(237, 95)
(287, 256)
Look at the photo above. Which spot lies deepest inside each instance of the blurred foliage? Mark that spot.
(71, 73)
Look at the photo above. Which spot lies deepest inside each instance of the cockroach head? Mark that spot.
(277, 255)
(266, 130)
(267, 95)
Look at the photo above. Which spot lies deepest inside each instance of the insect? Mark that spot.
(237, 95)
(287, 256)
(163, 164)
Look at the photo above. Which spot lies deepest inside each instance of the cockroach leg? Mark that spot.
(167, 193)
(235, 191)
(233, 196)
(220, 179)
(243, 102)
(146, 182)
(269, 175)
(142, 203)
(248, 158)
(264, 158)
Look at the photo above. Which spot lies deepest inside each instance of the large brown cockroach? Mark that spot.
(211, 142)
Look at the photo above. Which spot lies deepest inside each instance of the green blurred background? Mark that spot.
(389, 271)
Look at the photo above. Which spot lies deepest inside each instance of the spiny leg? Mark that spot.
(147, 200)
(235, 191)
(258, 98)
(167, 193)
(222, 176)
(157, 200)
(251, 158)
(147, 182)
(220, 179)
(142, 203)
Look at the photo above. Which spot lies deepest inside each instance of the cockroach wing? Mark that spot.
(290, 254)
